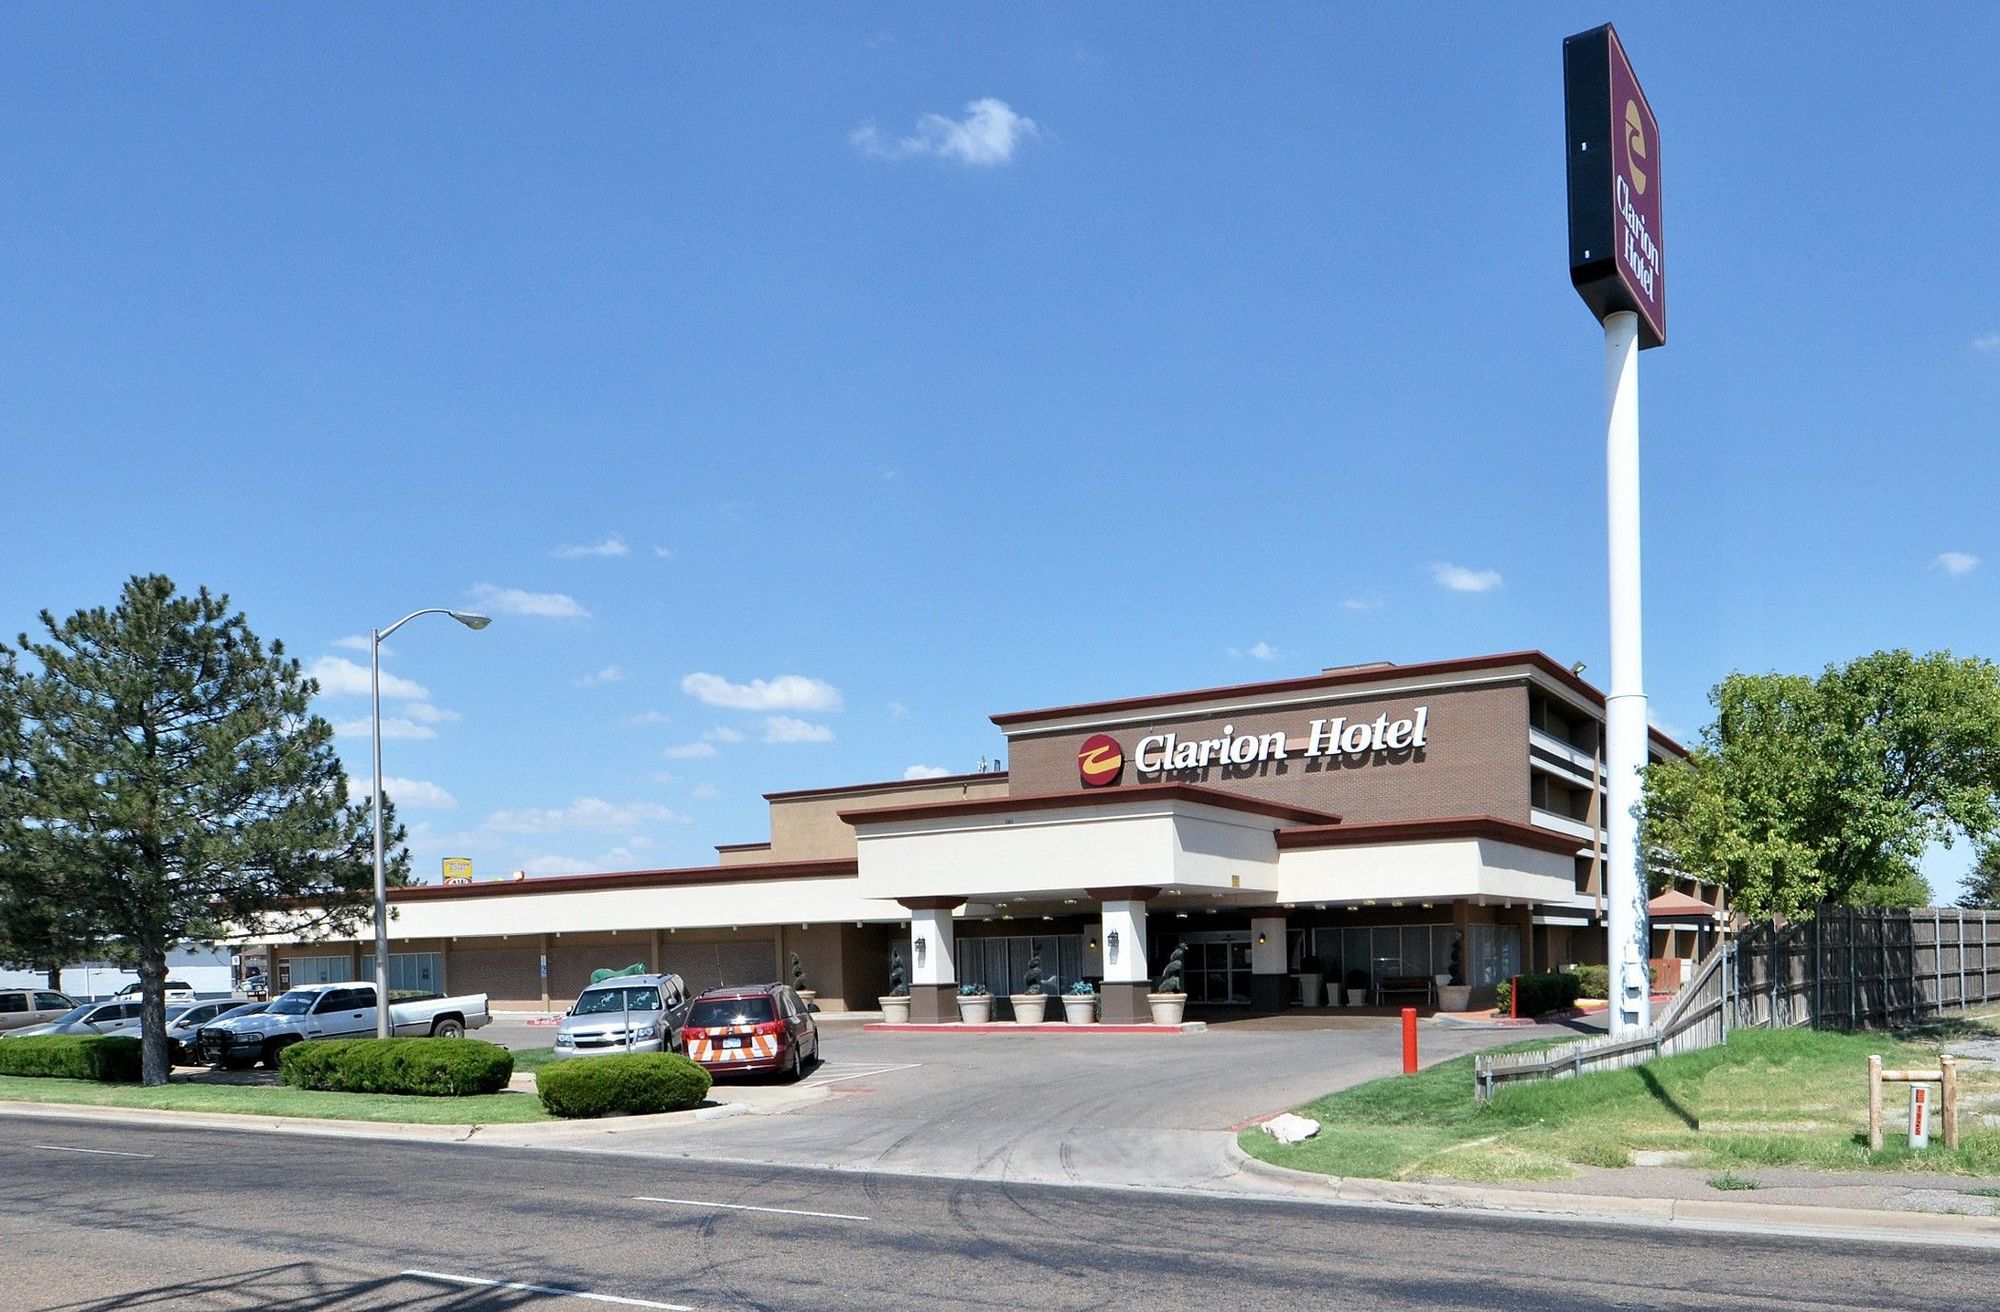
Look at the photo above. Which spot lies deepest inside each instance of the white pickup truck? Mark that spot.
(333, 1011)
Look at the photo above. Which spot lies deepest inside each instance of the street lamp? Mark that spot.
(470, 621)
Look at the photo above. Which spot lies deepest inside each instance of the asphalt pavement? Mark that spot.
(126, 1217)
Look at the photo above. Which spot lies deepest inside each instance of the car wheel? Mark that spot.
(274, 1049)
(797, 1070)
(448, 1029)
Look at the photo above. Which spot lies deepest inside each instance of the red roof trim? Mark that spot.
(1429, 831)
(888, 786)
(747, 873)
(1092, 797)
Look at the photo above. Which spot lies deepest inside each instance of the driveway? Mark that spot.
(1138, 1110)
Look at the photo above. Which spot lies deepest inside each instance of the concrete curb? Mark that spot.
(1657, 1211)
(517, 1133)
(1053, 1027)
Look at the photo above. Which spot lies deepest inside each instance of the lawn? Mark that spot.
(532, 1059)
(1767, 1098)
(258, 1100)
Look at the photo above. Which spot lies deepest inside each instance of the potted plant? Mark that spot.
(1169, 996)
(975, 1004)
(1454, 994)
(1357, 988)
(1312, 981)
(806, 995)
(896, 1002)
(1080, 1003)
(1031, 1004)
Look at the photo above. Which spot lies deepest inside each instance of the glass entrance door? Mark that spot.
(1218, 967)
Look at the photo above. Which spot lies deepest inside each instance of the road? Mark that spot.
(99, 1217)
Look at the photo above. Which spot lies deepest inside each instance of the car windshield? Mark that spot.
(247, 1009)
(710, 1012)
(175, 1009)
(72, 1017)
(596, 1002)
(296, 1003)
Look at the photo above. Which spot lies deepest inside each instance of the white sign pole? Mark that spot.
(1920, 1119)
(1625, 892)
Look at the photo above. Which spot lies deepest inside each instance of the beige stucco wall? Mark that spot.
(809, 828)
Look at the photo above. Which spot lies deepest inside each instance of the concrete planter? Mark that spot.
(896, 1011)
(1080, 1008)
(1312, 988)
(1167, 1007)
(1357, 997)
(975, 1009)
(1029, 1008)
(810, 997)
(1454, 997)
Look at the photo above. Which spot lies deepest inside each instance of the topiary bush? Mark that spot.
(431, 1068)
(1595, 981)
(631, 1084)
(1540, 993)
(109, 1059)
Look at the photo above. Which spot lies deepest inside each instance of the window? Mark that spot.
(603, 1002)
(52, 1002)
(1495, 955)
(13, 1002)
(713, 1013)
(322, 970)
(414, 972)
(344, 1000)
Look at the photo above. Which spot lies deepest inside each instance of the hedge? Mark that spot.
(433, 1068)
(635, 1084)
(1540, 993)
(1595, 980)
(111, 1059)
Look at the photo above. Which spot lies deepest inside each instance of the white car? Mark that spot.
(176, 991)
(333, 1011)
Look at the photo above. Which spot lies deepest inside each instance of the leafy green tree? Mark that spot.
(1827, 790)
(175, 786)
(1982, 885)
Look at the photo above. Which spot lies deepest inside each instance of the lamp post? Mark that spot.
(470, 621)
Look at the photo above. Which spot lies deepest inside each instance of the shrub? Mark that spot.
(1540, 993)
(106, 1058)
(434, 1068)
(1595, 981)
(635, 1084)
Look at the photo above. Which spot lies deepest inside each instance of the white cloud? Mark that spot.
(340, 677)
(1955, 563)
(688, 751)
(394, 728)
(1362, 603)
(611, 546)
(651, 717)
(787, 692)
(408, 793)
(1988, 343)
(987, 136)
(357, 642)
(425, 713)
(664, 553)
(785, 729)
(898, 711)
(722, 733)
(548, 865)
(926, 772)
(609, 674)
(515, 601)
(706, 792)
(583, 813)
(1262, 651)
(1460, 579)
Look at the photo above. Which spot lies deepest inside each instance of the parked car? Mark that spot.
(184, 1021)
(256, 985)
(333, 1011)
(762, 1027)
(88, 1018)
(176, 991)
(630, 1013)
(20, 1008)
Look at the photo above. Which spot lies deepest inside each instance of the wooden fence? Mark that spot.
(1843, 969)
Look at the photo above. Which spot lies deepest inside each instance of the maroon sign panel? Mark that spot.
(1616, 257)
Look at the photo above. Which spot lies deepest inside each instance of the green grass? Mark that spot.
(532, 1059)
(1730, 1182)
(259, 1100)
(1783, 1098)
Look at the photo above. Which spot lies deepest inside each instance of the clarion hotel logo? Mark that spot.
(1100, 760)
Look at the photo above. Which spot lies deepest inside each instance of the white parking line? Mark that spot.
(96, 1152)
(544, 1289)
(745, 1207)
(864, 1074)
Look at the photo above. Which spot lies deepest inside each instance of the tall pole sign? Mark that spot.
(1618, 265)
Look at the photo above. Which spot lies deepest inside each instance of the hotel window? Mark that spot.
(321, 970)
(1495, 955)
(417, 972)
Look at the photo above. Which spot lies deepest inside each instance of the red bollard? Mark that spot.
(1514, 999)
(1409, 1040)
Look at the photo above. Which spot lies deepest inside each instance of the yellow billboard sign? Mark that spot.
(458, 870)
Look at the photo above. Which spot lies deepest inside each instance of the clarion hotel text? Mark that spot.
(1166, 751)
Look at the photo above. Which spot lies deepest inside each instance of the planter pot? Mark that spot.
(1311, 989)
(896, 1011)
(975, 1010)
(1455, 997)
(1357, 997)
(810, 997)
(1080, 1008)
(1029, 1008)
(1167, 1007)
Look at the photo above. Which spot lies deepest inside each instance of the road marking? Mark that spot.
(745, 1207)
(863, 1074)
(97, 1152)
(545, 1289)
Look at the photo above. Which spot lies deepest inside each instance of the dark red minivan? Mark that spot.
(751, 1028)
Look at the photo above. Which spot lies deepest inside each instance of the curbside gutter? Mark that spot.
(1858, 1222)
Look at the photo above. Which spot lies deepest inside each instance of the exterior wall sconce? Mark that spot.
(1111, 943)
(1260, 939)
(920, 951)
(1093, 942)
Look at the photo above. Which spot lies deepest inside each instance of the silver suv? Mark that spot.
(632, 1013)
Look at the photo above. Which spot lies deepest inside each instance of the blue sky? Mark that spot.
(798, 386)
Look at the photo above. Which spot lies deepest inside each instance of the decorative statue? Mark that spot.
(1034, 975)
(599, 976)
(899, 983)
(1170, 978)
(798, 973)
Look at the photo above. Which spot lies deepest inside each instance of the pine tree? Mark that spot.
(174, 785)
(1982, 882)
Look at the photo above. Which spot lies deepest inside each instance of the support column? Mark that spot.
(1127, 980)
(545, 974)
(1628, 945)
(933, 964)
(1270, 961)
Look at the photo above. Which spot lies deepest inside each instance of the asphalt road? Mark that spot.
(113, 1217)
